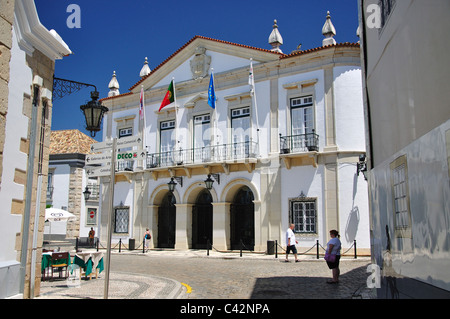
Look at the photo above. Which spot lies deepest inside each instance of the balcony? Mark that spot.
(222, 155)
(299, 150)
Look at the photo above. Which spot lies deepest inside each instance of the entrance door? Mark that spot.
(202, 221)
(243, 220)
(166, 222)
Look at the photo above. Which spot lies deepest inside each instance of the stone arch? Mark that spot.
(157, 196)
(231, 189)
(192, 192)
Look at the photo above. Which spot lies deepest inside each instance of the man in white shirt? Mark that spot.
(290, 242)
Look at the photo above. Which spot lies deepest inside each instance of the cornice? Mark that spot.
(284, 65)
(31, 34)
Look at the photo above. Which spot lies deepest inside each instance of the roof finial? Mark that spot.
(275, 38)
(328, 31)
(145, 69)
(113, 86)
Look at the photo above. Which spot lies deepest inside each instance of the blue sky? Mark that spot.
(117, 35)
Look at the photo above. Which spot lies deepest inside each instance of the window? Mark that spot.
(303, 215)
(94, 188)
(302, 122)
(125, 165)
(125, 132)
(400, 197)
(121, 219)
(202, 138)
(302, 115)
(50, 184)
(240, 132)
(167, 142)
(386, 8)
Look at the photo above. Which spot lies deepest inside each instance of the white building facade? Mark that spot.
(67, 180)
(281, 152)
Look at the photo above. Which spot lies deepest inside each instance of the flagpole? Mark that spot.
(143, 163)
(253, 93)
(176, 113)
(215, 133)
(143, 117)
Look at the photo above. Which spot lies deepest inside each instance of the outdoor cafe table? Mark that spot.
(89, 261)
(47, 261)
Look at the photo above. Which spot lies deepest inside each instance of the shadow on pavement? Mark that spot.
(300, 287)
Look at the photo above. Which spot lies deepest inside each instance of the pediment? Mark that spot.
(194, 61)
(191, 103)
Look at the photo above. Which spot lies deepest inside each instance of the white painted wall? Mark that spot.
(13, 158)
(424, 256)
(349, 113)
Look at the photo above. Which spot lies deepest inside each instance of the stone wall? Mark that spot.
(75, 193)
(6, 21)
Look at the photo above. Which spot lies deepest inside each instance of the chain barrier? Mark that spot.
(275, 246)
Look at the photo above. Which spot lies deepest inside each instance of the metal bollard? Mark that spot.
(276, 248)
(317, 249)
(354, 243)
(120, 243)
(242, 244)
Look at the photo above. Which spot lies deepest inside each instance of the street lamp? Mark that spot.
(94, 112)
(361, 166)
(209, 181)
(172, 183)
(86, 193)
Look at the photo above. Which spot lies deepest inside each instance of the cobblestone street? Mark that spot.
(248, 278)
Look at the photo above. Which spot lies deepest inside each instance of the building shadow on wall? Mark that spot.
(303, 287)
(351, 228)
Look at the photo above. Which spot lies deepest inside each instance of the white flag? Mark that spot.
(251, 79)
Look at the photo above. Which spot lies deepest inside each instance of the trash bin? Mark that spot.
(270, 247)
(131, 243)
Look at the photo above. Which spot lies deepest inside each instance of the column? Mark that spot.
(221, 226)
(331, 194)
(183, 228)
(153, 224)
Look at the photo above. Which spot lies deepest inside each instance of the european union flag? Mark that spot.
(211, 93)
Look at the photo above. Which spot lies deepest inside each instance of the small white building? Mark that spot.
(282, 151)
(67, 180)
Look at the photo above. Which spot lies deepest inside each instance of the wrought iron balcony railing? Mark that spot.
(217, 153)
(308, 142)
(125, 166)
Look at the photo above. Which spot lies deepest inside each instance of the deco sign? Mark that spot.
(127, 156)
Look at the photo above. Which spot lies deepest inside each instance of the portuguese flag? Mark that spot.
(169, 98)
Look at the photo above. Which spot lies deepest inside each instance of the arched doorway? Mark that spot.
(242, 216)
(166, 222)
(202, 220)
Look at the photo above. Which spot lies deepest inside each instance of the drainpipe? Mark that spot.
(37, 82)
(46, 96)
